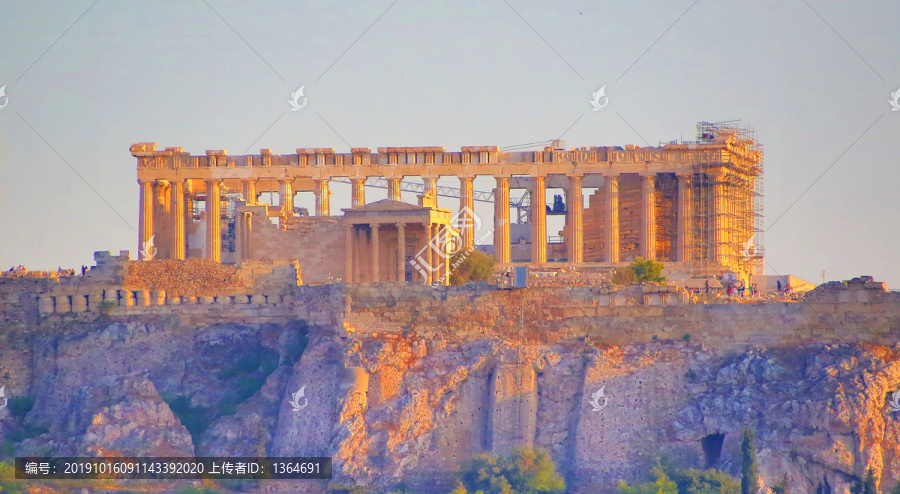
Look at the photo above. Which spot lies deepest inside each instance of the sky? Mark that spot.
(85, 79)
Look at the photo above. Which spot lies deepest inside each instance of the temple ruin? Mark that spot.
(695, 206)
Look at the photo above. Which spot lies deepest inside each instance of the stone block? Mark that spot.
(126, 298)
(143, 297)
(223, 300)
(79, 303)
(45, 304)
(173, 300)
(158, 297)
(261, 299)
(206, 300)
(63, 304)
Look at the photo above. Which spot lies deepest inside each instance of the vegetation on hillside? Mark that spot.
(667, 479)
(470, 266)
(639, 271)
(525, 471)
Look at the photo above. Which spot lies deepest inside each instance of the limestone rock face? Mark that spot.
(393, 408)
(124, 417)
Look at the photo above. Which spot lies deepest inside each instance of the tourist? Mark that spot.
(741, 290)
(707, 287)
(779, 286)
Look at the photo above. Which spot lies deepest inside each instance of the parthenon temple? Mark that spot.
(695, 206)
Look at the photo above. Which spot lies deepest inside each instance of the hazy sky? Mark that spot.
(86, 79)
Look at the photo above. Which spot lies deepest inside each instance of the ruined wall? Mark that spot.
(316, 242)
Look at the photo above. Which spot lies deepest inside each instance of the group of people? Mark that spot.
(20, 270)
(741, 289)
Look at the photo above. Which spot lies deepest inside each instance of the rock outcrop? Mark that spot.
(393, 408)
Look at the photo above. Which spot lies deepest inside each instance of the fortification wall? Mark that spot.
(846, 313)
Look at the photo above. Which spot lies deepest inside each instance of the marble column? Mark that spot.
(683, 246)
(575, 234)
(348, 255)
(467, 210)
(357, 192)
(213, 222)
(394, 189)
(323, 207)
(612, 218)
(718, 211)
(648, 216)
(358, 242)
(538, 220)
(401, 252)
(145, 230)
(429, 255)
(501, 220)
(250, 191)
(164, 219)
(178, 247)
(286, 198)
(375, 257)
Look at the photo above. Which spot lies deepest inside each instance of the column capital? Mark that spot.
(647, 174)
(611, 175)
(400, 225)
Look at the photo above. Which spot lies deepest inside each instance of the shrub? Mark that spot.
(647, 270)
(662, 485)
(866, 485)
(623, 276)
(686, 337)
(8, 482)
(470, 266)
(666, 479)
(20, 405)
(783, 486)
(525, 471)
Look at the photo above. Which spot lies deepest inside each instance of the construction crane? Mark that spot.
(521, 203)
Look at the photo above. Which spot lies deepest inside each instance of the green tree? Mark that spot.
(525, 471)
(749, 475)
(470, 266)
(647, 270)
(867, 485)
(662, 485)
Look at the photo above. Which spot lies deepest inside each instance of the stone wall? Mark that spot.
(318, 242)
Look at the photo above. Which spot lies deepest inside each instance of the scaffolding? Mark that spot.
(726, 199)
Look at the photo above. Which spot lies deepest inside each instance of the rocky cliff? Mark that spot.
(394, 407)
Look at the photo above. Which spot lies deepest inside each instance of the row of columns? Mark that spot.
(355, 254)
(173, 234)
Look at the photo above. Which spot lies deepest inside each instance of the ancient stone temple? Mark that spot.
(695, 206)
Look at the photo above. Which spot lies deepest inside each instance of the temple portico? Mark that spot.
(693, 206)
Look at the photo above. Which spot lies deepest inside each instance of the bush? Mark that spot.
(647, 270)
(662, 485)
(20, 405)
(666, 479)
(8, 482)
(865, 485)
(470, 266)
(624, 276)
(525, 471)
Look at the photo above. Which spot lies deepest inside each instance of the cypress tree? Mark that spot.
(749, 474)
